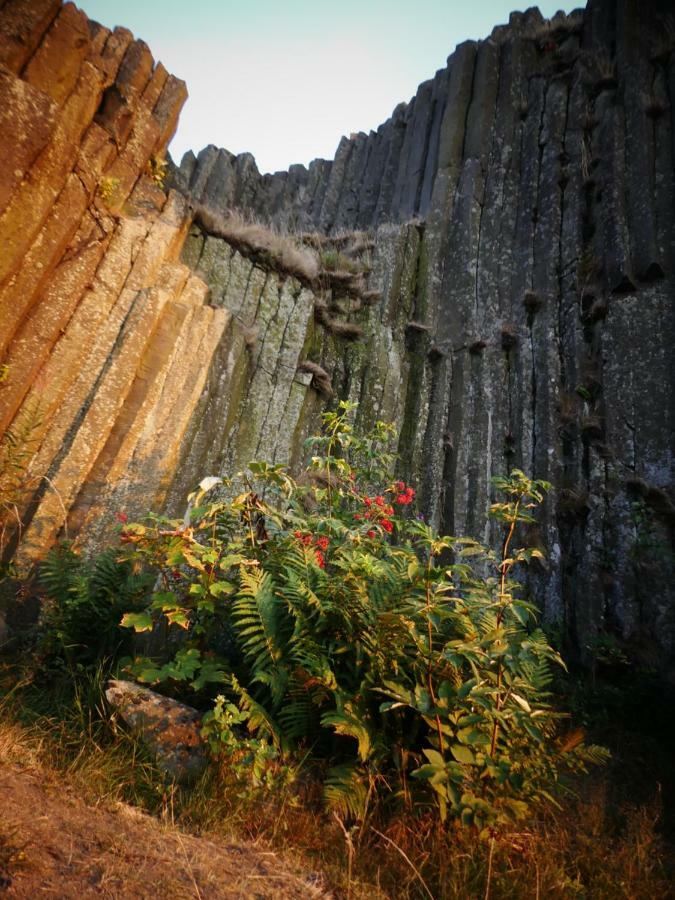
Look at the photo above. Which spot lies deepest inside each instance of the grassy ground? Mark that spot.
(600, 844)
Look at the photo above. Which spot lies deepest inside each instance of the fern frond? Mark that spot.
(257, 620)
(351, 723)
(258, 717)
(58, 572)
(297, 718)
(345, 790)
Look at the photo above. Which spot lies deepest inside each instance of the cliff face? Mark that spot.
(507, 245)
(522, 208)
(98, 319)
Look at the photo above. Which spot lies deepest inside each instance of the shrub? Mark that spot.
(337, 627)
(156, 170)
(83, 605)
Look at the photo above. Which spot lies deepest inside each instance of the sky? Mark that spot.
(285, 79)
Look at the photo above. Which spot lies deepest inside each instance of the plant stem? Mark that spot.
(430, 637)
(504, 569)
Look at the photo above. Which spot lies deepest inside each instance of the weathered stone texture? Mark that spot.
(527, 315)
(171, 730)
(105, 337)
(519, 269)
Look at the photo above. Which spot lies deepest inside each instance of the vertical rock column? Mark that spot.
(105, 337)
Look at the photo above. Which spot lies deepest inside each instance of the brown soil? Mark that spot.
(52, 844)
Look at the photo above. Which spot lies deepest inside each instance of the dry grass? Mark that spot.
(320, 378)
(509, 336)
(556, 29)
(332, 267)
(74, 849)
(532, 302)
(568, 407)
(592, 427)
(602, 72)
(371, 298)
(654, 106)
(95, 789)
(280, 251)
(108, 824)
(350, 331)
(663, 41)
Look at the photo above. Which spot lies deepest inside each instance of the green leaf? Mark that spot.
(222, 588)
(473, 736)
(178, 617)
(138, 621)
(471, 551)
(522, 702)
(434, 757)
(462, 754)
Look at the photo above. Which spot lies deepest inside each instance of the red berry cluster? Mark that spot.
(320, 546)
(405, 494)
(379, 511)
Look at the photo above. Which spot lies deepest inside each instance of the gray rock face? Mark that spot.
(171, 730)
(522, 207)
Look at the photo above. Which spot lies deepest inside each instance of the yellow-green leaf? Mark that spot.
(138, 621)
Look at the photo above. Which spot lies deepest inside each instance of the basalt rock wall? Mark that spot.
(522, 209)
(104, 333)
(500, 285)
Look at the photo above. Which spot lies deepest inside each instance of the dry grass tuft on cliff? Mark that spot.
(334, 268)
(279, 251)
(320, 378)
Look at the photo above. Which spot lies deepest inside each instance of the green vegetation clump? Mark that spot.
(156, 170)
(334, 261)
(362, 678)
(84, 603)
(108, 188)
(329, 625)
(17, 447)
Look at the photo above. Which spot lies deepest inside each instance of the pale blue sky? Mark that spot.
(285, 79)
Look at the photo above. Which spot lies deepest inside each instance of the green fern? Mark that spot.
(353, 633)
(345, 790)
(85, 603)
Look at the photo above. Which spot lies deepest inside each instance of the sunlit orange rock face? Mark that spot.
(105, 336)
